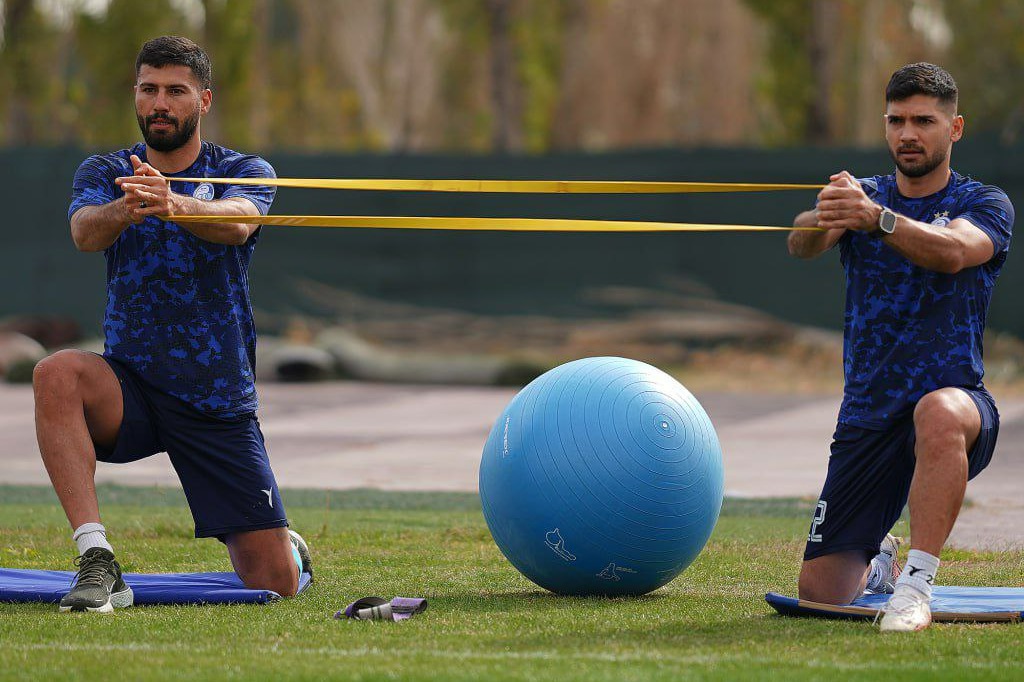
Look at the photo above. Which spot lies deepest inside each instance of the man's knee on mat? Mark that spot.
(833, 578)
(264, 560)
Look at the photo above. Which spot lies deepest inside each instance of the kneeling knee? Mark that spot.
(282, 585)
(833, 578)
(822, 595)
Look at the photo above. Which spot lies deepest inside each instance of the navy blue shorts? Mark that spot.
(222, 464)
(868, 481)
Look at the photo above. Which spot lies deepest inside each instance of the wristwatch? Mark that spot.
(886, 223)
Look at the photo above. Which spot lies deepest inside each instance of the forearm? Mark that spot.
(924, 245)
(94, 228)
(810, 243)
(218, 233)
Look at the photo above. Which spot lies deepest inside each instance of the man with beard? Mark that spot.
(921, 248)
(176, 374)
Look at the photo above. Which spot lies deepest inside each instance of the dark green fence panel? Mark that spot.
(500, 273)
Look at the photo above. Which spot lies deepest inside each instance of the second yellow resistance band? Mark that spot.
(507, 186)
(478, 224)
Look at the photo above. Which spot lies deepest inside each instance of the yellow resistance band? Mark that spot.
(507, 186)
(481, 224)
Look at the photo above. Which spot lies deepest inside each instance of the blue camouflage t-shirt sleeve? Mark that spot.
(990, 210)
(94, 184)
(249, 166)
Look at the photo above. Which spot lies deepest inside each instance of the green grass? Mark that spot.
(485, 622)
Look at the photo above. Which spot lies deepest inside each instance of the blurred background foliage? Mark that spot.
(486, 76)
(754, 90)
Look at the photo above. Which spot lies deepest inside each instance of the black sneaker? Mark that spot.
(300, 544)
(98, 585)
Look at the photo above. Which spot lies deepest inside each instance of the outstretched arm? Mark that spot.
(809, 243)
(844, 205)
(950, 249)
(149, 187)
(94, 228)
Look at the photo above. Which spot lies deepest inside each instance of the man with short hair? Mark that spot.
(921, 249)
(177, 371)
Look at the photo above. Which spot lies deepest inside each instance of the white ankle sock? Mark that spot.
(90, 535)
(919, 571)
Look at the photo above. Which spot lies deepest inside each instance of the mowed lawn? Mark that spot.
(485, 621)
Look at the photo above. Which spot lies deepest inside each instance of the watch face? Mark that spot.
(887, 222)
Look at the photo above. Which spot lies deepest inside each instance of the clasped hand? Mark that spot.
(843, 205)
(146, 193)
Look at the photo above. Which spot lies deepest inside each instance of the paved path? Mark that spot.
(352, 435)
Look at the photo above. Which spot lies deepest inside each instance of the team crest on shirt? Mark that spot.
(204, 192)
(941, 218)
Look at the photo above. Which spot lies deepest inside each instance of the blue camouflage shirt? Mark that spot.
(910, 331)
(178, 310)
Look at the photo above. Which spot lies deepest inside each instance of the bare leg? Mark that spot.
(78, 403)
(947, 423)
(263, 560)
(834, 578)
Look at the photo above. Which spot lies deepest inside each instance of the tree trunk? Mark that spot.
(16, 60)
(506, 135)
(824, 29)
(259, 84)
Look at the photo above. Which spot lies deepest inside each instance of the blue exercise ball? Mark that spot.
(602, 477)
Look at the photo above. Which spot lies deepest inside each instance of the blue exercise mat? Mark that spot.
(975, 604)
(27, 585)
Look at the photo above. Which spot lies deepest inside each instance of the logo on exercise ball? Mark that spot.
(554, 540)
(504, 439)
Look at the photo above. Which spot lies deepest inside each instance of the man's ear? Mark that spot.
(958, 128)
(206, 99)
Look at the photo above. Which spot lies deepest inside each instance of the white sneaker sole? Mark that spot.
(902, 629)
(899, 627)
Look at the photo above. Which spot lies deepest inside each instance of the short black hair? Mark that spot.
(178, 51)
(922, 78)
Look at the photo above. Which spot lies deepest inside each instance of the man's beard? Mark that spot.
(173, 139)
(919, 168)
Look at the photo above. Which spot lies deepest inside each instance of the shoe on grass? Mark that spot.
(299, 544)
(98, 586)
(908, 610)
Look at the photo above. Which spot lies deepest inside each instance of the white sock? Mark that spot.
(90, 535)
(919, 572)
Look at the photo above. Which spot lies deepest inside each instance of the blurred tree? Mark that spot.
(515, 75)
(644, 73)
(107, 44)
(386, 59)
(987, 59)
(820, 122)
(258, 98)
(522, 43)
(538, 38)
(29, 74)
(789, 81)
(828, 62)
(230, 37)
(465, 83)
(505, 93)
